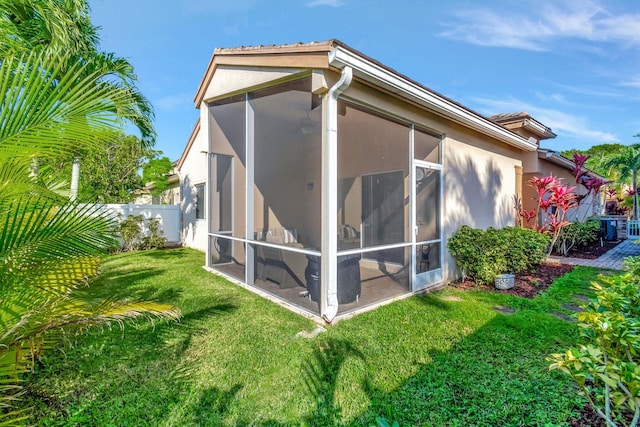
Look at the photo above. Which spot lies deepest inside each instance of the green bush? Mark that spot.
(482, 255)
(607, 365)
(131, 231)
(154, 238)
(526, 248)
(577, 234)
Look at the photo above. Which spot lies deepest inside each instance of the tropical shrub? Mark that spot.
(140, 233)
(607, 365)
(556, 199)
(154, 238)
(577, 234)
(482, 255)
(525, 248)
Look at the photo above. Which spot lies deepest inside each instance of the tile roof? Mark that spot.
(508, 117)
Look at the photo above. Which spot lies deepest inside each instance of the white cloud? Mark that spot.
(538, 26)
(633, 82)
(552, 97)
(332, 3)
(563, 124)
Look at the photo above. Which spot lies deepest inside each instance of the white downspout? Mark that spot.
(329, 251)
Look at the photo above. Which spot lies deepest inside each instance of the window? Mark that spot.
(200, 201)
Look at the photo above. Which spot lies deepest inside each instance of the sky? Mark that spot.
(573, 65)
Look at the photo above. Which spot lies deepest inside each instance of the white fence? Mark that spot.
(168, 216)
(633, 230)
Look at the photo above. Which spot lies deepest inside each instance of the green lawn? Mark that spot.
(234, 358)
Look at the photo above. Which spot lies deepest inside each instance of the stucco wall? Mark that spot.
(233, 79)
(480, 180)
(193, 172)
(545, 168)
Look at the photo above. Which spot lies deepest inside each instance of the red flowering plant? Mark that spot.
(595, 184)
(579, 161)
(554, 201)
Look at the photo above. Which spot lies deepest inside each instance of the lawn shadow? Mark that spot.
(213, 404)
(433, 300)
(320, 377)
(151, 355)
(498, 374)
(115, 283)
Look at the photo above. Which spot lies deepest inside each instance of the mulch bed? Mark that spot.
(588, 417)
(592, 251)
(528, 283)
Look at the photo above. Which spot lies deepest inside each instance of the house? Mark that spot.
(328, 181)
(170, 196)
(544, 162)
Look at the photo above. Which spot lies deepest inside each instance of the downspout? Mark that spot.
(329, 251)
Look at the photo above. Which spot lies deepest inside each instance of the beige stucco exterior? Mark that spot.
(192, 170)
(480, 174)
(483, 164)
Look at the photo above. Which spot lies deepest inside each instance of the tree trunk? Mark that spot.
(75, 179)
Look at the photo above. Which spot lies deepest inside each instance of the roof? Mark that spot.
(187, 148)
(523, 119)
(336, 55)
(558, 159)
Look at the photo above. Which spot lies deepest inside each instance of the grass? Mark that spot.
(235, 359)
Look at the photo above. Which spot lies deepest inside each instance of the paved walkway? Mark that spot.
(612, 259)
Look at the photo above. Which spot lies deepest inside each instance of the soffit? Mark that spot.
(312, 55)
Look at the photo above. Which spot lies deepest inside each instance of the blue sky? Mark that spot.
(574, 65)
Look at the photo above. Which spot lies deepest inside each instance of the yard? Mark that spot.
(236, 359)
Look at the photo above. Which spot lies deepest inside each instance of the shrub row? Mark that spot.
(482, 255)
(577, 234)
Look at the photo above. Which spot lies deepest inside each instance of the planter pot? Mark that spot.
(505, 281)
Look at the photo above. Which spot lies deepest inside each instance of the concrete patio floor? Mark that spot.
(610, 260)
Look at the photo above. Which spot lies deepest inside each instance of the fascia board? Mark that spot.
(538, 128)
(559, 160)
(340, 57)
(556, 158)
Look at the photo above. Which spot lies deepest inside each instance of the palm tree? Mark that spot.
(63, 29)
(626, 162)
(50, 247)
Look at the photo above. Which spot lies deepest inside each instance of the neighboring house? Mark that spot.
(170, 196)
(544, 162)
(328, 181)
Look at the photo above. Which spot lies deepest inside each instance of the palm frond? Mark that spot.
(47, 111)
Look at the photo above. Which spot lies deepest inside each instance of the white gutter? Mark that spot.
(329, 260)
(538, 128)
(367, 70)
(559, 160)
